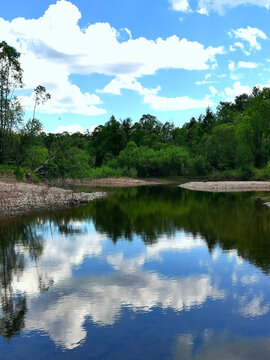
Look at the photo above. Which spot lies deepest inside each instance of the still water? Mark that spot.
(147, 273)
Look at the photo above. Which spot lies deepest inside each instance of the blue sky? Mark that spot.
(170, 58)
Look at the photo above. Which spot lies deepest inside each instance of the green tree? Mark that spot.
(221, 147)
(245, 145)
(10, 109)
(109, 138)
(41, 96)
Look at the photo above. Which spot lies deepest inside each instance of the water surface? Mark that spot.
(147, 273)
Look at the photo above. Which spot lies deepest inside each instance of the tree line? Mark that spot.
(234, 139)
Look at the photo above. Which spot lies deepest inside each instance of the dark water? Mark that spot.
(148, 273)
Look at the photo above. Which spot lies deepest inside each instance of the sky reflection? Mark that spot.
(70, 283)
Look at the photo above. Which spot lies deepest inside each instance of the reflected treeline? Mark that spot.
(18, 240)
(233, 220)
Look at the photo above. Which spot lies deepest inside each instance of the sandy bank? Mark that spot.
(109, 182)
(228, 186)
(22, 198)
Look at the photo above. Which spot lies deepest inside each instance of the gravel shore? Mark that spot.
(18, 198)
(227, 186)
(110, 182)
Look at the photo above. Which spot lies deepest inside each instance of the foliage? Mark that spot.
(233, 140)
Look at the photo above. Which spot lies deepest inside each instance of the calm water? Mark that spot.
(148, 273)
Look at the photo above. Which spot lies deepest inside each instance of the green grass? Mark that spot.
(106, 171)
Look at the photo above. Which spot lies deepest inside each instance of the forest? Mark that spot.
(231, 141)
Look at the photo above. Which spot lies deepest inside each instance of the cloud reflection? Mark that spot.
(223, 347)
(62, 311)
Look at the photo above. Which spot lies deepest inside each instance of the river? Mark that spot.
(155, 272)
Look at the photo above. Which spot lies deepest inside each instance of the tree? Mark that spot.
(109, 138)
(40, 97)
(10, 109)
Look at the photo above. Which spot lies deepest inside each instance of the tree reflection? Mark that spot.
(15, 236)
(232, 220)
(13, 313)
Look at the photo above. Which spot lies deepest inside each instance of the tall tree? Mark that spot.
(40, 97)
(10, 108)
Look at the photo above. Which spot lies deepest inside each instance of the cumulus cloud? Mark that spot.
(151, 97)
(54, 47)
(220, 6)
(241, 46)
(129, 83)
(239, 89)
(180, 5)
(231, 65)
(249, 35)
(213, 90)
(236, 90)
(247, 65)
(242, 64)
(163, 103)
(66, 98)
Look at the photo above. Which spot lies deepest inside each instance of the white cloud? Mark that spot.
(180, 5)
(54, 47)
(236, 90)
(203, 10)
(150, 96)
(129, 83)
(69, 128)
(66, 97)
(247, 65)
(241, 46)
(231, 65)
(162, 103)
(250, 35)
(220, 6)
(239, 89)
(205, 81)
(213, 90)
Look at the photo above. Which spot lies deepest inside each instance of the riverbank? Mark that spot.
(109, 182)
(227, 186)
(17, 198)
